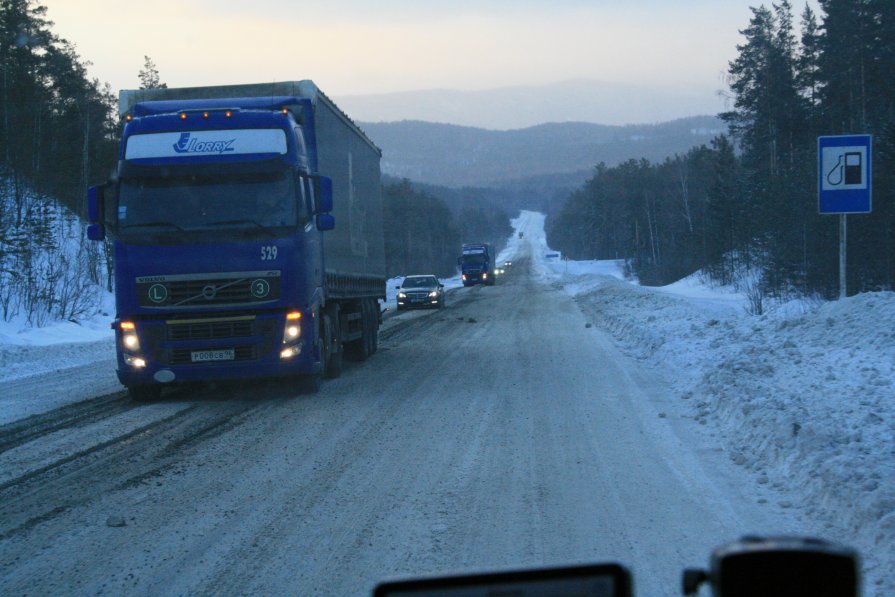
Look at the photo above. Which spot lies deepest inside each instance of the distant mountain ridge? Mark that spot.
(520, 106)
(457, 156)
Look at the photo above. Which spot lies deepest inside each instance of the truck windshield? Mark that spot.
(476, 259)
(194, 203)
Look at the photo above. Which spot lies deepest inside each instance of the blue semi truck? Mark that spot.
(246, 223)
(477, 263)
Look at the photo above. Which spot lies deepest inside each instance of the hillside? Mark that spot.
(457, 156)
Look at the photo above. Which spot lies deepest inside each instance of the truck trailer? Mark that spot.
(246, 224)
(477, 264)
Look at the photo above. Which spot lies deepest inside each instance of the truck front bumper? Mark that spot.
(213, 348)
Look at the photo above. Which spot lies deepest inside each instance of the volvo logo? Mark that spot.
(209, 292)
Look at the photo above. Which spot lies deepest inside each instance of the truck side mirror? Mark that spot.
(95, 210)
(325, 222)
(324, 195)
(96, 232)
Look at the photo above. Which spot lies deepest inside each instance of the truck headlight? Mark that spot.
(135, 362)
(291, 334)
(292, 330)
(402, 295)
(292, 351)
(129, 339)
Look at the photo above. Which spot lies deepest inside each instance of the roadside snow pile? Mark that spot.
(802, 396)
(26, 350)
(804, 400)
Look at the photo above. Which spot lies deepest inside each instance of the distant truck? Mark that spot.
(477, 264)
(248, 242)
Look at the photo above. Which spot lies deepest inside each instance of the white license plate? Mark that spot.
(202, 356)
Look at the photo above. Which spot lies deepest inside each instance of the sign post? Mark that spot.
(843, 184)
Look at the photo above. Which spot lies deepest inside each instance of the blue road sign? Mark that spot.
(844, 174)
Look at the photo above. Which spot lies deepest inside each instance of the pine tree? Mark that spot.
(149, 76)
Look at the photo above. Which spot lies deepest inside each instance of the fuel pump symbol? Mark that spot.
(848, 169)
(853, 168)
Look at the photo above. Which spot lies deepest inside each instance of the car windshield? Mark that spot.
(297, 297)
(420, 282)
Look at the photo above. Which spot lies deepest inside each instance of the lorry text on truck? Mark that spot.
(247, 231)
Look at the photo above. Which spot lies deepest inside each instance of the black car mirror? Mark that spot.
(599, 580)
(778, 567)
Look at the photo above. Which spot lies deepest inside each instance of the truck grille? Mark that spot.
(208, 290)
(210, 330)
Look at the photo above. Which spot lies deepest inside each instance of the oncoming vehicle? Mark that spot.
(477, 264)
(420, 292)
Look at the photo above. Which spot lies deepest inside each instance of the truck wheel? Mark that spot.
(360, 349)
(333, 344)
(374, 327)
(147, 393)
(309, 384)
(370, 322)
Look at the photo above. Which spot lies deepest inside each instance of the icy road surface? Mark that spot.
(499, 432)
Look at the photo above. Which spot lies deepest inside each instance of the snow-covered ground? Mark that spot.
(802, 396)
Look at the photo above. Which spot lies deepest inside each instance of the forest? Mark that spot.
(745, 208)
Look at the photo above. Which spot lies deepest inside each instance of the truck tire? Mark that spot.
(374, 327)
(144, 393)
(370, 324)
(309, 384)
(332, 343)
(361, 349)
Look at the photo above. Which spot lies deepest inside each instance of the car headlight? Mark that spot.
(402, 295)
(433, 294)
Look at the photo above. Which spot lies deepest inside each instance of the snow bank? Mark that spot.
(803, 395)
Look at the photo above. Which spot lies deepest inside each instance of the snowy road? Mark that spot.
(500, 432)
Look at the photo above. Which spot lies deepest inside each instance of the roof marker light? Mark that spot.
(204, 114)
(128, 117)
(183, 115)
(228, 113)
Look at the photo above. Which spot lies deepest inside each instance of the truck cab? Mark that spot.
(477, 264)
(219, 213)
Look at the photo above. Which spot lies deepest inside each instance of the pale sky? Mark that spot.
(351, 47)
